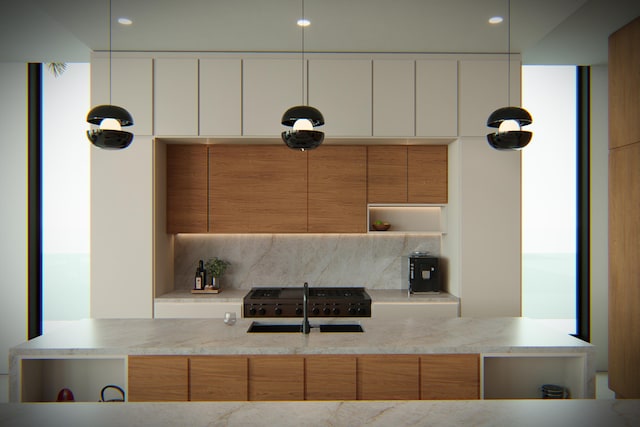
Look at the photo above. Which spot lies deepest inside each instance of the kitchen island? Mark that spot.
(516, 356)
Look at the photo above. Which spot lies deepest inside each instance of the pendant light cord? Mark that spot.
(508, 52)
(303, 101)
(110, 66)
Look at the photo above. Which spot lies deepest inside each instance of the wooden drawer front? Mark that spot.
(158, 378)
(218, 378)
(388, 377)
(450, 376)
(276, 378)
(330, 378)
(387, 174)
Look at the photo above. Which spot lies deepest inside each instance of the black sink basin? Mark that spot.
(280, 327)
(274, 327)
(341, 328)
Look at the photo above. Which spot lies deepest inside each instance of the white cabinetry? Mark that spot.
(341, 90)
(393, 98)
(436, 98)
(483, 89)
(131, 88)
(220, 97)
(270, 87)
(176, 96)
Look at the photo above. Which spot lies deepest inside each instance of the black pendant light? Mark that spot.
(302, 118)
(508, 121)
(109, 118)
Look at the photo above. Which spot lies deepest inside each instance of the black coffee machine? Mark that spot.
(422, 272)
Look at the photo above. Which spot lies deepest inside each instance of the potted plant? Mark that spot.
(215, 268)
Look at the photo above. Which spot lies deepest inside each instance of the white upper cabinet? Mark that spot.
(341, 90)
(436, 98)
(131, 88)
(176, 96)
(220, 97)
(483, 89)
(270, 87)
(393, 98)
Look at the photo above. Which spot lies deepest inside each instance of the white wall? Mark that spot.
(600, 214)
(13, 214)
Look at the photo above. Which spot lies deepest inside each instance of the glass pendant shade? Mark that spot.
(300, 137)
(510, 139)
(109, 138)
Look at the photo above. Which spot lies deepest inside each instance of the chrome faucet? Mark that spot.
(306, 328)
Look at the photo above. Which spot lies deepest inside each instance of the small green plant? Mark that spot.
(216, 267)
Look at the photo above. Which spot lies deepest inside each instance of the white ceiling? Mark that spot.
(544, 31)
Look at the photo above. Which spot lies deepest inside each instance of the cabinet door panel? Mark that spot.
(427, 174)
(218, 378)
(158, 378)
(394, 98)
(388, 377)
(257, 189)
(341, 90)
(450, 376)
(337, 189)
(436, 98)
(176, 96)
(220, 97)
(387, 174)
(330, 377)
(276, 378)
(270, 87)
(187, 193)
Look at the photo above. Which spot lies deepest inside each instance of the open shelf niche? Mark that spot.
(428, 219)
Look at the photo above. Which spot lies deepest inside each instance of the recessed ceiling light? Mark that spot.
(303, 22)
(125, 21)
(496, 19)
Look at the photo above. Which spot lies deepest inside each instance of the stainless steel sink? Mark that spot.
(288, 328)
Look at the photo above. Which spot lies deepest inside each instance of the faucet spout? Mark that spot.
(306, 328)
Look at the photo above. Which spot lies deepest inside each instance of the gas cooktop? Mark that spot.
(322, 302)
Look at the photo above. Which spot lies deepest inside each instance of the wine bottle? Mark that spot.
(199, 278)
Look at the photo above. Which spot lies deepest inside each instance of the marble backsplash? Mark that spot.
(372, 261)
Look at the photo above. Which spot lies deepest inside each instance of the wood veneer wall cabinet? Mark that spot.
(337, 190)
(450, 376)
(187, 192)
(407, 174)
(257, 189)
(276, 378)
(218, 378)
(158, 379)
(388, 377)
(624, 216)
(329, 377)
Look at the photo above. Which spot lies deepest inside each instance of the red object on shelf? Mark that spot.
(65, 395)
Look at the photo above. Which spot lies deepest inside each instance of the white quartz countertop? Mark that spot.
(99, 337)
(520, 413)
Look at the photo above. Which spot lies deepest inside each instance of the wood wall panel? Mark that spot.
(276, 378)
(218, 378)
(187, 192)
(158, 379)
(450, 376)
(624, 211)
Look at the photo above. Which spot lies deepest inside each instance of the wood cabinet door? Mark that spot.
(386, 174)
(329, 377)
(257, 189)
(276, 378)
(427, 180)
(337, 189)
(450, 376)
(158, 379)
(187, 193)
(388, 377)
(218, 378)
